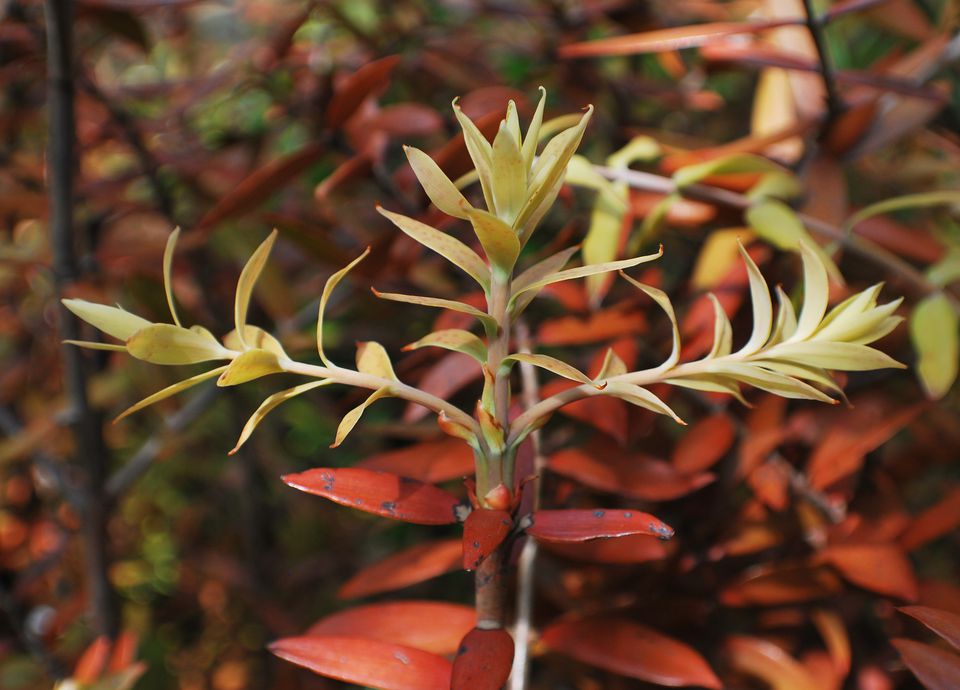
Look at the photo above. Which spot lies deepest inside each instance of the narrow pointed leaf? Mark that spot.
(431, 626)
(529, 148)
(379, 493)
(935, 332)
(367, 662)
(453, 339)
(250, 365)
(945, 623)
(483, 660)
(168, 273)
(538, 271)
(661, 298)
(271, 403)
(499, 241)
(113, 321)
(581, 525)
(442, 192)
(481, 153)
(583, 271)
(936, 668)
(91, 345)
(508, 172)
(447, 246)
(612, 365)
(779, 225)
(404, 568)
(816, 293)
(725, 165)
(722, 331)
(838, 356)
(248, 278)
(353, 416)
(554, 365)
(641, 397)
(373, 359)
(762, 306)
(163, 343)
(924, 199)
(629, 649)
(328, 287)
(488, 322)
(254, 338)
(483, 531)
(169, 391)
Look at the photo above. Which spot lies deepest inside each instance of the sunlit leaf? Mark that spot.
(373, 359)
(529, 148)
(453, 339)
(271, 403)
(762, 307)
(328, 287)
(583, 271)
(113, 321)
(248, 366)
(508, 172)
(499, 241)
(777, 223)
(661, 298)
(442, 192)
(353, 416)
(552, 364)
(488, 321)
(163, 343)
(935, 332)
(255, 338)
(170, 391)
(641, 397)
(248, 278)
(481, 153)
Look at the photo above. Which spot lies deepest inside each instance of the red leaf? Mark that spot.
(944, 623)
(882, 568)
(603, 412)
(405, 568)
(380, 493)
(784, 585)
(483, 660)
(405, 120)
(605, 467)
(936, 521)
(704, 444)
(673, 38)
(449, 374)
(431, 462)
(581, 525)
(352, 91)
(635, 548)
(597, 327)
(367, 662)
(93, 661)
(433, 626)
(624, 647)
(483, 531)
(937, 669)
(259, 185)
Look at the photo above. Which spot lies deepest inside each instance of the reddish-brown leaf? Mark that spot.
(372, 663)
(769, 662)
(854, 433)
(944, 623)
(606, 467)
(483, 531)
(483, 660)
(911, 242)
(594, 523)
(937, 520)
(704, 443)
(380, 493)
(784, 585)
(673, 38)
(635, 548)
(598, 327)
(431, 461)
(352, 90)
(936, 668)
(624, 647)
(449, 374)
(259, 185)
(405, 568)
(603, 412)
(881, 568)
(433, 626)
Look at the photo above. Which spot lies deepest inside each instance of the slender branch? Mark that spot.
(90, 452)
(814, 26)
(858, 245)
(526, 566)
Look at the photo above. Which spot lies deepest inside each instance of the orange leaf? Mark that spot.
(405, 568)
(372, 663)
(936, 521)
(634, 548)
(433, 626)
(483, 660)
(380, 493)
(582, 525)
(704, 444)
(630, 649)
(431, 461)
(769, 662)
(881, 568)
(483, 531)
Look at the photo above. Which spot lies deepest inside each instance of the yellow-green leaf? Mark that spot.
(816, 293)
(168, 273)
(722, 331)
(453, 339)
(770, 381)
(559, 367)
(660, 297)
(725, 165)
(529, 149)
(90, 345)
(541, 269)
(709, 383)
(447, 246)
(481, 153)
(248, 278)
(499, 241)
(934, 332)
(441, 190)
(164, 343)
(603, 238)
(509, 174)
(353, 416)
(256, 339)
(268, 405)
(113, 321)
(838, 356)
(169, 391)
(762, 306)
(777, 223)
(373, 359)
(489, 323)
(583, 271)
(717, 256)
(328, 288)
(250, 365)
(641, 397)
(937, 198)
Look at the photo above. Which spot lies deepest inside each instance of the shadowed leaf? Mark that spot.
(404, 568)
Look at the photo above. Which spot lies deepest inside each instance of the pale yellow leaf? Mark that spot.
(481, 153)
(268, 405)
(328, 288)
(373, 359)
(113, 321)
(442, 192)
(762, 306)
(584, 271)
(777, 223)
(169, 391)
(453, 339)
(164, 343)
(489, 323)
(509, 174)
(552, 364)
(353, 416)
(499, 241)
(250, 365)
(256, 339)
(816, 293)
(934, 332)
(612, 365)
(717, 256)
(641, 397)
(722, 331)
(168, 273)
(529, 148)
(661, 298)
(248, 278)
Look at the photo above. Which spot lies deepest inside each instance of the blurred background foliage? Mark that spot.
(229, 118)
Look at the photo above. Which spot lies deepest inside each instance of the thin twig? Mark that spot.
(815, 27)
(91, 453)
(520, 674)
